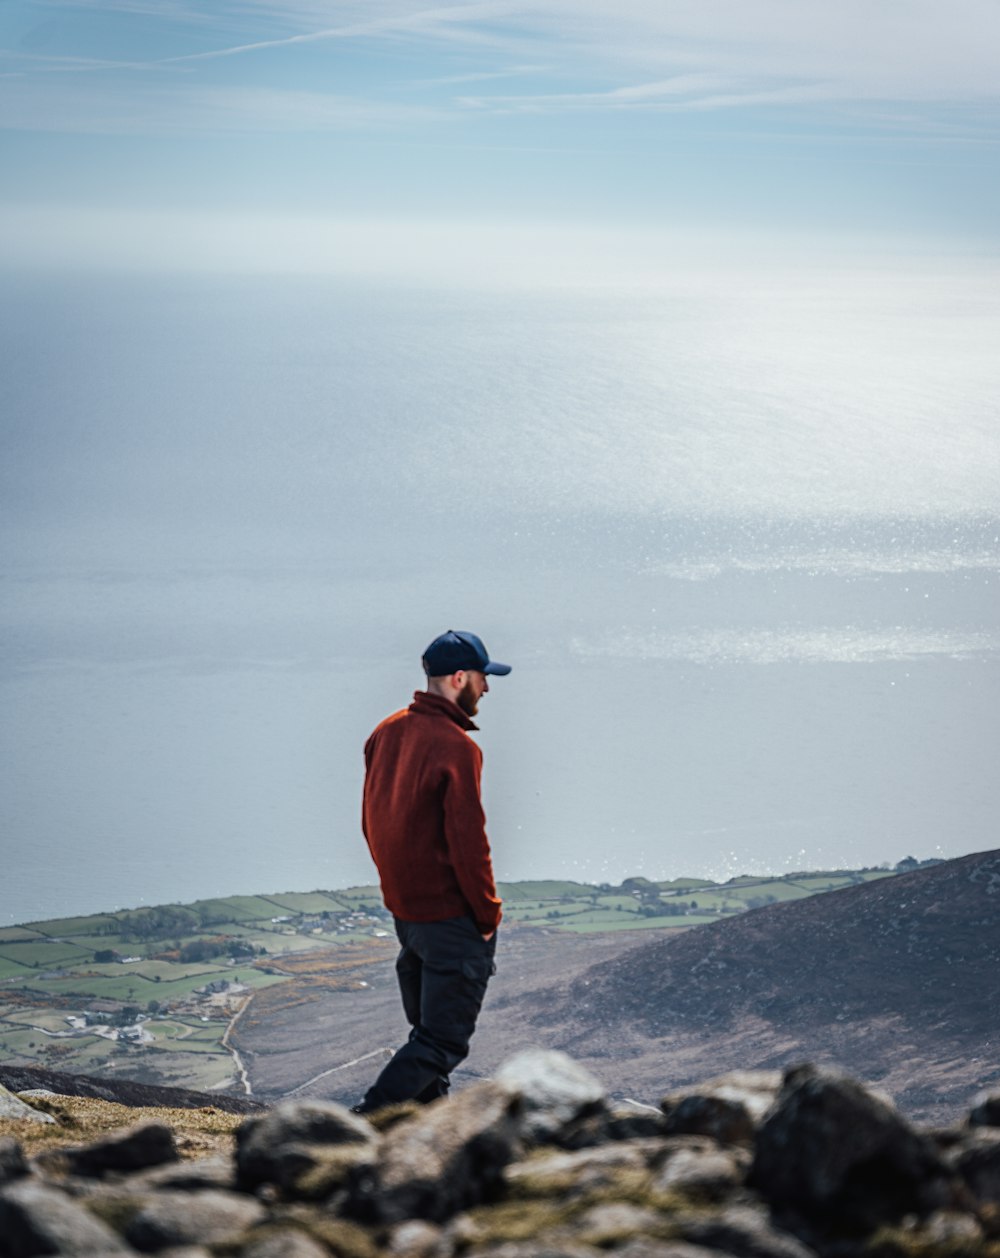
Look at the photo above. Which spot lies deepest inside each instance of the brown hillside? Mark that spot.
(886, 978)
(925, 945)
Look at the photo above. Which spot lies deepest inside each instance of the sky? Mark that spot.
(495, 138)
(654, 342)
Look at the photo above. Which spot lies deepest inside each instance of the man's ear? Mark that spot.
(458, 679)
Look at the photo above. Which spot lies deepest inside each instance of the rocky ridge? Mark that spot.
(534, 1163)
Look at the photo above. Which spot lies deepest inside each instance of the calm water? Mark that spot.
(738, 537)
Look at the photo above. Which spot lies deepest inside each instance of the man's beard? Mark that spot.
(467, 700)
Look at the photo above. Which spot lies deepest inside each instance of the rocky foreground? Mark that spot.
(532, 1164)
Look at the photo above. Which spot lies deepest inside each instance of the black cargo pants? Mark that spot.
(443, 969)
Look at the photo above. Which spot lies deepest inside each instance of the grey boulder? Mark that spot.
(554, 1091)
(12, 1106)
(977, 1161)
(444, 1159)
(172, 1218)
(743, 1232)
(137, 1148)
(282, 1146)
(986, 1111)
(35, 1219)
(12, 1163)
(728, 1109)
(832, 1151)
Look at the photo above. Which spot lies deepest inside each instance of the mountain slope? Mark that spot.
(889, 979)
(925, 944)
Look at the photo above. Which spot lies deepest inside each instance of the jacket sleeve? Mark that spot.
(465, 836)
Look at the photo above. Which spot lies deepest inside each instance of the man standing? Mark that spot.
(424, 823)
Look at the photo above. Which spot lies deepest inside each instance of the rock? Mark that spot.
(563, 1176)
(614, 1222)
(977, 1161)
(709, 1172)
(506, 1223)
(950, 1229)
(632, 1124)
(137, 1148)
(725, 1120)
(554, 1090)
(36, 1219)
(742, 1232)
(617, 1124)
(12, 1163)
(285, 1242)
(837, 1154)
(185, 1251)
(171, 1218)
(330, 1168)
(538, 1249)
(447, 1158)
(728, 1109)
(416, 1238)
(280, 1147)
(646, 1247)
(12, 1106)
(986, 1111)
(339, 1236)
(943, 1234)
(216, 1171)
(466, 1178)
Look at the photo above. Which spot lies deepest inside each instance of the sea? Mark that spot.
(735, 530)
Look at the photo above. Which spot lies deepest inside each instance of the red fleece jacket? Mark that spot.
(423, 818)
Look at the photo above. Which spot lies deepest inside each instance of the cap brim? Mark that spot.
(497, 670)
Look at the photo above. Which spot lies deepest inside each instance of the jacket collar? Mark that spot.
(428, 704)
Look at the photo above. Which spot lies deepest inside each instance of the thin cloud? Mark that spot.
(918, 50)
(480, 76)
(641, 95)
(424, 21)
(39, 63)
(155, 110)
(626, 55)
(169, 9)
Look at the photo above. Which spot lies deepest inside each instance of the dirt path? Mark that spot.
(376, 1052)
(241, 1071)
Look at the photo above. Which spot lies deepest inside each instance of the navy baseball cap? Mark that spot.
(456, 650)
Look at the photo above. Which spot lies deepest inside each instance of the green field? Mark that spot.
(598, 918)
(545, 889)
(368, 893)
(61, 927)
(314, 902)
(44, 955)
(13, 969)
(17, 934)
(198, 1037)
(245, 908)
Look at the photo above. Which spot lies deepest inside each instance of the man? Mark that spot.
(424, 823)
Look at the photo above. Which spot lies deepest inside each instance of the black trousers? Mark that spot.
(443, 969)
